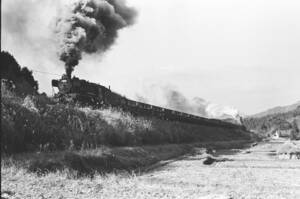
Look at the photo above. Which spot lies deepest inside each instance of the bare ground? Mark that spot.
(249, 173)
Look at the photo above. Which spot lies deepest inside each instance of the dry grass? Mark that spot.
(88, 162)
(102, 160)
(249, 175)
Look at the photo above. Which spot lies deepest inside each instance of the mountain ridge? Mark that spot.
(282, 120)
(276, 110)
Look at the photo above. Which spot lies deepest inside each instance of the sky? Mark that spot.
(233, 52)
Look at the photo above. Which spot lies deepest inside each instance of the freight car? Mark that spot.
(91, 94)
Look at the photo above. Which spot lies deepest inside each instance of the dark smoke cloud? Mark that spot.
(90, 26)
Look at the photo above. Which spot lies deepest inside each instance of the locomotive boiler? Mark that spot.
(75, 90)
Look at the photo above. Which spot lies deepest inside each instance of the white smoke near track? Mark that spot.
(173, 99)
(222, 112)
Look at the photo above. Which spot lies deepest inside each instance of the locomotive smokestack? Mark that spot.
(90, 26)
(68, 71)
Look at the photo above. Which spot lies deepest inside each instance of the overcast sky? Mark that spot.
(233, 52)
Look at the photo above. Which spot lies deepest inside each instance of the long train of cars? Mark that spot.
(87, 93)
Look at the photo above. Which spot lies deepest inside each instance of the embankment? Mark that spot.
(37, 124)
(44, 136)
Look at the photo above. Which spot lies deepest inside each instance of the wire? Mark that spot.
(45, 72)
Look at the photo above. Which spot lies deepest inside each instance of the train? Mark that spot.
(75, 90)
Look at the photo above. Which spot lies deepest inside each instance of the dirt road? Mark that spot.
(251, 173)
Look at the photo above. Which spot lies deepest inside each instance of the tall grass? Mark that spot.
(37, 123)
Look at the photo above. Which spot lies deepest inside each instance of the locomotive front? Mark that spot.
(81, 91)
(64, 84)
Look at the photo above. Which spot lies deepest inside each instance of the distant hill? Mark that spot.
(284, 120)
(278, 109)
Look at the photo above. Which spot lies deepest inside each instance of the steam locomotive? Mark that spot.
(95, 95)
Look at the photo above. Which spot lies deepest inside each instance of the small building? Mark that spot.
(275, 135)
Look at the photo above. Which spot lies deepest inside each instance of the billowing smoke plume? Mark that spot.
(90, 26)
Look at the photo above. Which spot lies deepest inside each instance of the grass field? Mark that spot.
(255, 172)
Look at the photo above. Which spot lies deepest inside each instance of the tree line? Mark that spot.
(281, 121)
(17, 78)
